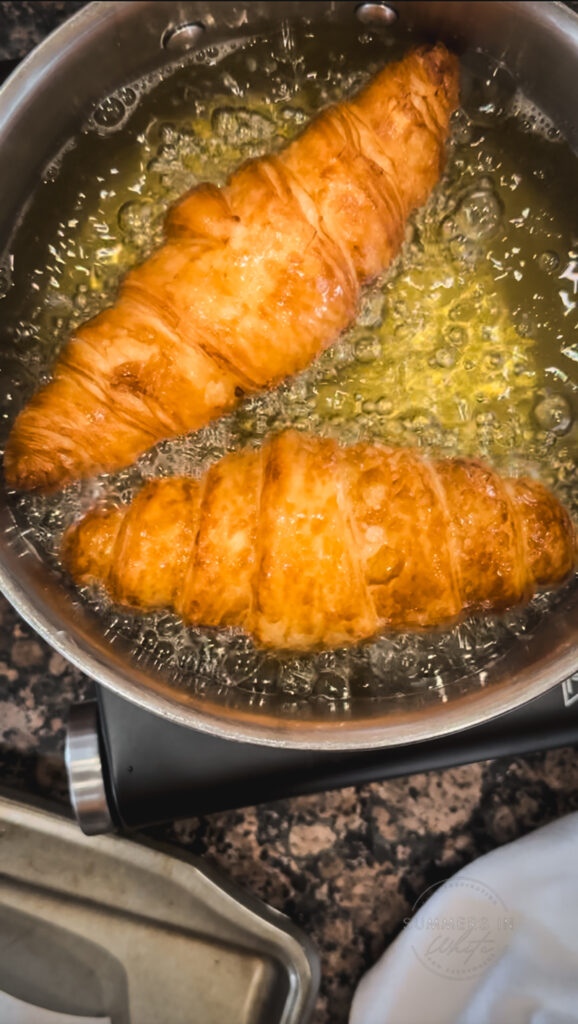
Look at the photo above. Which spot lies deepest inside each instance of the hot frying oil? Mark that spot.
(468, 344)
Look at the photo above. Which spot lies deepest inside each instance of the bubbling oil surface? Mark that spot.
(468, 344)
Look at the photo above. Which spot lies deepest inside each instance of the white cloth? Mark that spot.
(495, 944)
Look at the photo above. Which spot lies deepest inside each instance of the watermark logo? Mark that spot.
(473, 929)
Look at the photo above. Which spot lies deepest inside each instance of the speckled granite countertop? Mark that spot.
(348, 865)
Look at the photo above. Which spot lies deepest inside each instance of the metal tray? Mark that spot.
(132, 933)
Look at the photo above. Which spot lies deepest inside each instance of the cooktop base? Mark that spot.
(128, 768)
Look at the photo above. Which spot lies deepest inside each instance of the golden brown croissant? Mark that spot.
(305, 544)
(253, 281)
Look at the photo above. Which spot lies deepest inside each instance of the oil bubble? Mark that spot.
(529, 118)
(168, 626)
(188, 661)
(526, 325)
(449, 227)
(495, 359)
(384, 406)
(268, 674)
(419, 420)
(445, 357)
(168, 133)
(81, 297)
(342, 353)
(297, 680)
(332, 686)
(148, 640)
(487, 91)
(110, 113)
(461, 127)
(237, 125)
(368, 349)
(371, 312)
(549, 261)
(479, 214)
(553, 413)
(486, 419)
(294, 114)
(127, 96)
(241, 664)
(136, 219)
(457, 336)
(163, 653)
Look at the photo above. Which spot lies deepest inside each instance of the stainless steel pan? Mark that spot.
(44, 104)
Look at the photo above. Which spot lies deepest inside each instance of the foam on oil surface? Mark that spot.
(467, 345)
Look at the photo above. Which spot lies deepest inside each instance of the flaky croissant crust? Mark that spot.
(253, 281)
(305, 544)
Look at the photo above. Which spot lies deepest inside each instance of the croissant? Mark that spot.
(305, 544)
(254, 279)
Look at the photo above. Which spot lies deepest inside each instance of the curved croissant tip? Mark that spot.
(88, 544)
(31, 471)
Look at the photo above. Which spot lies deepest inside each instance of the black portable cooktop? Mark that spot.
(128, 768)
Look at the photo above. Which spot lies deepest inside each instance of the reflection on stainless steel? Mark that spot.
(102, 48)
(84, 767)
(113, 929)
